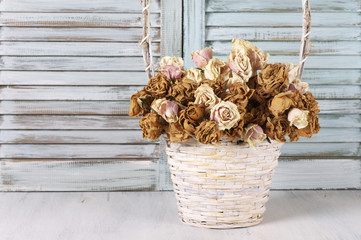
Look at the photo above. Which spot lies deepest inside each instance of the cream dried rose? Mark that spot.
(202, 57)
(215, 69)
(167, 109)
(254, 135)
(298, 118)
(205, 95)
(297, 84)
(171, 67)
(225, 114)
(292, 71)
(235, 79)
(195, 75)
(240, 64)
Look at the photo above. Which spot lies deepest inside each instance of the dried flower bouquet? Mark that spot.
(244, 99)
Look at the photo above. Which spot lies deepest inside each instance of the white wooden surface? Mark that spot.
(296, 215)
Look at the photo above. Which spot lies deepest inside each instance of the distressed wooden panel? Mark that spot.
(74, 6)
(135, 136)
(73, 63)
(83, 122)
(340, 120)
(122, 107)
(281, 6)
(272, 19)
(125, 92)
(283, 33)
(72, 78)
(292, 47)
(67, 93)
(75, 19)
(332, 76)
(172, 25)
(78, 175)
(302, 149)
(73, 49)
(78, 151)
(74, 34)
(319, 62)
(317, 174)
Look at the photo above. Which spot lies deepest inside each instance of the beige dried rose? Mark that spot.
(298, 85)
(207, 132)
(194, 75)
(298, 118)
(167, 109)
(254, 135)
(171, 67)
(272, 80)
(205, 95)
(216, 69)
(225, 114)
(312, 127)
(292, 71)
(240, 64)
(281, 102)
(151, 125)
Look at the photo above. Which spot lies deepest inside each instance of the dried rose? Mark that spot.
(277, 128)
(240, 64)
(254, 135)
(207, 132)
(298, 118)
(158, 86)
(171, 67)
(194, 112)
(272, 80)
(176, 133)
(205, 95)
(140, 103)
(225, 114)
(312, 127)
(281, 102)
(302, 87)
(167, 109)
(194, 75)
(202, 57)
(292, 72)
(183, 91)
(151, 125)
(218, 85)
(216, 69)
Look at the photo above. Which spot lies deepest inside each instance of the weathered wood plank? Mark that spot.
(66, 34)
(67, 93)
(317, 174)
(283, 33)
(75, 19)
(73, 49)
(292, 47)
(332, 76)
(274, 6)
(124, 122)
(75, 6)
(73, 63)
(322, 62)
(122, 107)
(272, 19)
(72, 78)
(326, 135)
(125, 92)
(84, 122)
(78, 151)
(302, 149)
(79, 175)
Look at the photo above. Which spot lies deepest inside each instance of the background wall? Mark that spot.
(68, 70)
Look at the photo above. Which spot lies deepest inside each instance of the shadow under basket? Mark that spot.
(222, 185)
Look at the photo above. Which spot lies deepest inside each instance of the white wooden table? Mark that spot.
(290, 215)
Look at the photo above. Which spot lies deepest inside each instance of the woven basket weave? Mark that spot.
(222, 185)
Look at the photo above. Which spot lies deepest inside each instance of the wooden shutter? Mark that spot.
(68, 69)
(330, 159)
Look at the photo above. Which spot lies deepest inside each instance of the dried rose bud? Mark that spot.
(302, 87)
(298, 118)
(171, 67)
(202, 57)
(292, 72)
(254, 135)
(167, 109)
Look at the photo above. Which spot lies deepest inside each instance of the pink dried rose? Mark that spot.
(171, 67)
(167, 109)
(240, 64)
(292, 72)
(302, 87)
(225, 114)
(298, 118)
(254, 135)
(202, 57)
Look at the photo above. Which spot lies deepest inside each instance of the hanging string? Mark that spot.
(146, 42)
(305, 40)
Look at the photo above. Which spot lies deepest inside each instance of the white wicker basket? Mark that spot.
(222, 185)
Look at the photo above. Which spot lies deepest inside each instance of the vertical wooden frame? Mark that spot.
(171, 45)
(194, 28)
